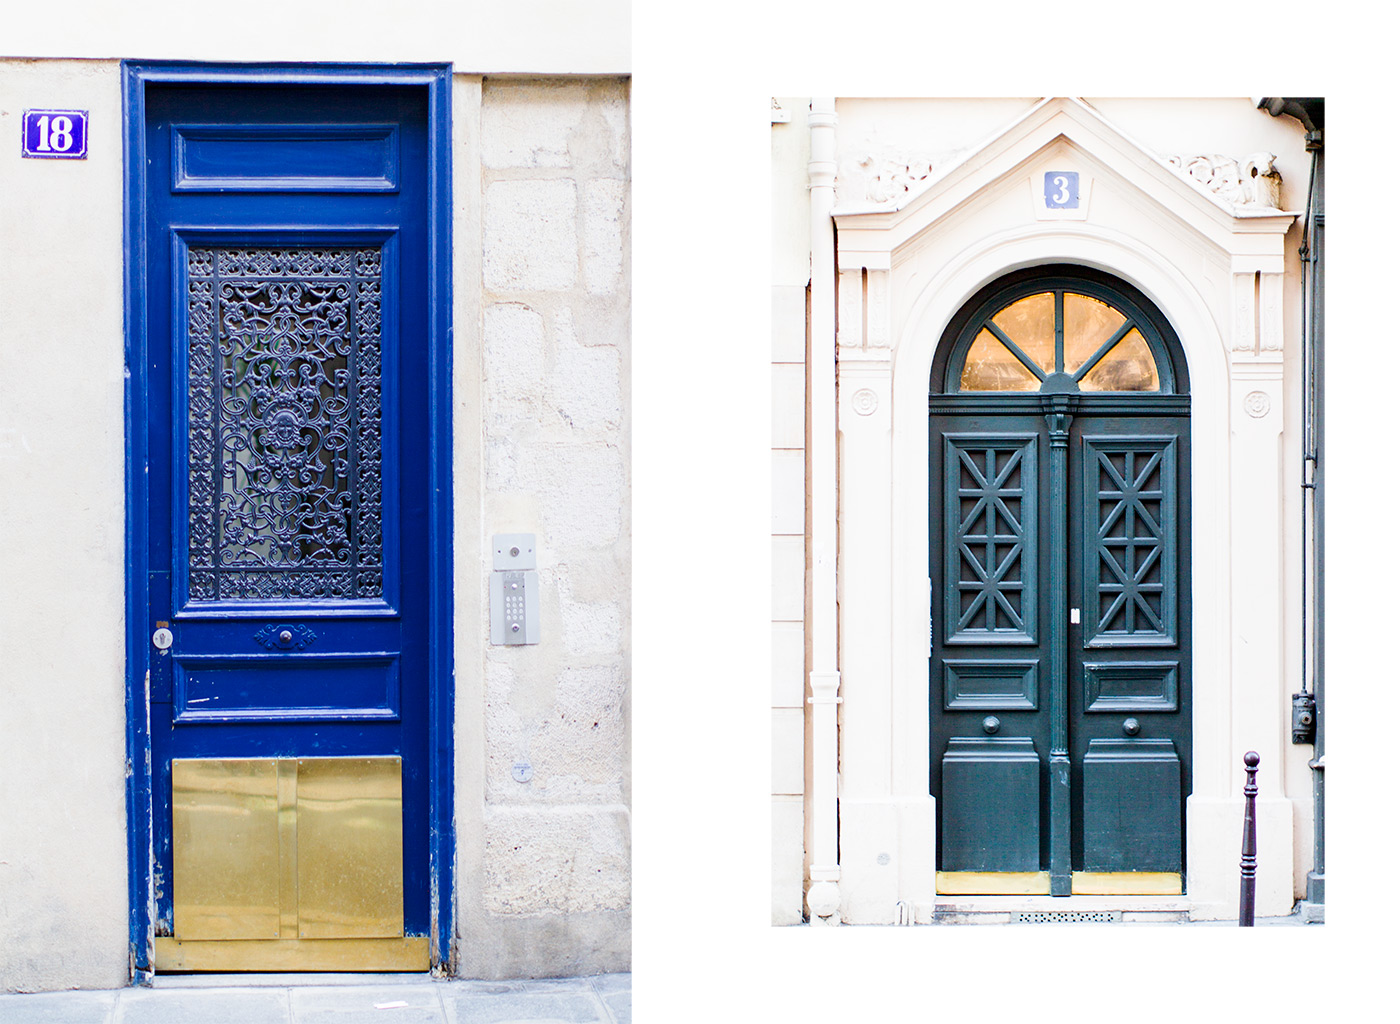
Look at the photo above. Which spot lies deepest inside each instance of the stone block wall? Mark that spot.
(545, 873)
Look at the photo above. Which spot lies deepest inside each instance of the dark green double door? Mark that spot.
(1060, 661)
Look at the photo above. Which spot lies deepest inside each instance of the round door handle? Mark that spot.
(285, 636)
(991, 725)
(1131, 727)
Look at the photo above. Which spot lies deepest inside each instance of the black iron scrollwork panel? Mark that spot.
(284, 424)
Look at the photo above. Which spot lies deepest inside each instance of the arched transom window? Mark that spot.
(1060, 335)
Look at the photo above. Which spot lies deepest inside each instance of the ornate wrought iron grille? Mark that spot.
(284, 424)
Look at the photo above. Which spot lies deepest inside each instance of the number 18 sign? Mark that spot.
(56, 134)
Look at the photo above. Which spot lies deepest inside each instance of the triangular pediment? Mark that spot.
(1069, 129)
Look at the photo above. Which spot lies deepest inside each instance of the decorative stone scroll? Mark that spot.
(887, 180)
(1249, 182)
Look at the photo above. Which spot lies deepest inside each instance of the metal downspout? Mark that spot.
(1310, 113)
(824, 874)
(1314, 269)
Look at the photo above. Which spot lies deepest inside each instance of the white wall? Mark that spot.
(63, 857)
(524, 36)
(791, 271)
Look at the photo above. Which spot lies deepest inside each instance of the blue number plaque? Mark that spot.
(1062, 190)
(56, 134)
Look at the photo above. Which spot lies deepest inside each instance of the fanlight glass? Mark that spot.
(1102, 349)
(990, 366)
(1030, 323)
(1088, 324)
(1128, 366)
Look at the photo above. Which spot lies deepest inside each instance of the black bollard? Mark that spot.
(1249, 857)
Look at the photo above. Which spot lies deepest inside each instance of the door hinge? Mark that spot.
(928, 639)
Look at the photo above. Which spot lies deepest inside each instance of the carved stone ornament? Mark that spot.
(1251, 182)
(887, 180)
(865, 402)
(1257, 404)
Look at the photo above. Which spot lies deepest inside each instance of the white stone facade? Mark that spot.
(917, 228)
(541, 444)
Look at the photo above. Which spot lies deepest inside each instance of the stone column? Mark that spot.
(1258, 702)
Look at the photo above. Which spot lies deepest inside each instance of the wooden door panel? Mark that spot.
(1125, 565)
(288, 528)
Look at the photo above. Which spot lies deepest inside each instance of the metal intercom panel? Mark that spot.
(515, 590)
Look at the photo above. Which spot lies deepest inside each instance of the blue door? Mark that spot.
(290, 384)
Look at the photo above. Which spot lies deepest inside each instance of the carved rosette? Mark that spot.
(1250, 182)
(865, 402)
(1257, 404)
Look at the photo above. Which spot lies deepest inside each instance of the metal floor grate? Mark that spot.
(1068, 917)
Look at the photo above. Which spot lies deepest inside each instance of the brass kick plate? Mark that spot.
(1125, 883)
(992, 883)
(1037, 883)
(408, 954)
(286, 853)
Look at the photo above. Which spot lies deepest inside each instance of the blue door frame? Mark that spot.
(142, 799)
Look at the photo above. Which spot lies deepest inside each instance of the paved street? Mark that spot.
(336, 999)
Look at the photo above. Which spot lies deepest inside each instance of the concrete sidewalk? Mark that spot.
(332, 999)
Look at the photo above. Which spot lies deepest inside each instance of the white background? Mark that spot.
(703, 77)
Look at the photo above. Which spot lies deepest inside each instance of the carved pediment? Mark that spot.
(886, 196)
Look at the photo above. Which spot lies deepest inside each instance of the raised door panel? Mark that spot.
(1130, 673)
(989, 731)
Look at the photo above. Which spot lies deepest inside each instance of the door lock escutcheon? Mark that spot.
(162, 638)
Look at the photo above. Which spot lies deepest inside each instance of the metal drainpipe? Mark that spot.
(1317, 876)
(824, 874)
(1309, 112)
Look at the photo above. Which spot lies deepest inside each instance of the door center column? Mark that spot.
(1059, 413)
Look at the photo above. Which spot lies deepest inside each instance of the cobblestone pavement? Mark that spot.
(337, 999)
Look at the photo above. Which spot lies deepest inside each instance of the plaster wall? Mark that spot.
(791, 269)
(63, 857)
(525, 37)
(541, 373)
